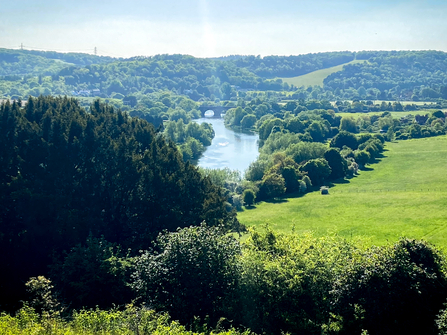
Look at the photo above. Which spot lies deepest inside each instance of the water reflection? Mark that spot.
(235, 150)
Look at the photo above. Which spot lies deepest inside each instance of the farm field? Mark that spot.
(316, 77)
(393, 114)
(402, 195)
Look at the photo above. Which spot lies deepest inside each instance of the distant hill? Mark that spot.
(366, 75)
(32, 62)
(228, 58)
(422, 74)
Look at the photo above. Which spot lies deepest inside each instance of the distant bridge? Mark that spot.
(218, 110)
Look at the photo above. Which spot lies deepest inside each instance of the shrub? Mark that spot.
(362, 157)
(237, 202)
(303, 186)
(396, 289)
(43, 297)
(192, 273)
(348, 124)
(344, 138)
(93, 274)
(336, 162)
(307, 181)
(318, 170)
(273, 185)
(286, 281)
(249, 197)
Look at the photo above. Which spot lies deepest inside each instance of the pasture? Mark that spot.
(316, 77)
(404, 194)
(393, 114)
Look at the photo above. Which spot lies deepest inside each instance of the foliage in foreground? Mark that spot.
(193, 273)
(270, 284)
(130, 321)
(298, 284)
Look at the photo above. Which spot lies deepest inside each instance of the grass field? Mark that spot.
(404, 194)
(403, 102)
(316, 77)
(393, 114)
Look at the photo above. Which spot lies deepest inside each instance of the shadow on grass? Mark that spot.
(248, 208)
(333, 183)
(277, 200)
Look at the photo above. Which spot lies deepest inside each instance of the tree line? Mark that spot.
(382, 75)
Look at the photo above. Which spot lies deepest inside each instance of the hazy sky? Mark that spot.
(207, 28)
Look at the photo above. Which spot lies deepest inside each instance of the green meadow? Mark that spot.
(316, 77)
(393, 114)
(404, 194)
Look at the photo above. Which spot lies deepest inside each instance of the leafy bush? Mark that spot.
(193, 273)
(273, 185)
(93, 274)
(249, 197)
(344, 138)
(362, 157)
(130, 321)
(336, 162)
(318, 170)
(392, 289)
(286, 282)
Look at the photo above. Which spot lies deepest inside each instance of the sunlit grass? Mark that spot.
(130, 321)
(402, 195)
(393, 114)
(316, 77)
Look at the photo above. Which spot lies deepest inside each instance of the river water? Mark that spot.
(229, 148)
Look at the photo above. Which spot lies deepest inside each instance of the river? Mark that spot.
(229, 148)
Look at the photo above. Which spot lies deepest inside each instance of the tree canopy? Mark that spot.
(67, 174)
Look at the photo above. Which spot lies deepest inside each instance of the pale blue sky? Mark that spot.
(206, 28)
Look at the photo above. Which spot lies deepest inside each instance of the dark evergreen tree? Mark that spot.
(68, 174)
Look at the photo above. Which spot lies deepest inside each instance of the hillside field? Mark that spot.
(404, 194)
(316, 77)
(393, 114)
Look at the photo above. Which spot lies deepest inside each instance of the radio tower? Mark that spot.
(21, 46)
(95, 51)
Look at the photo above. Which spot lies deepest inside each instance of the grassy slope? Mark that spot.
(316, 77)
(403, 195)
